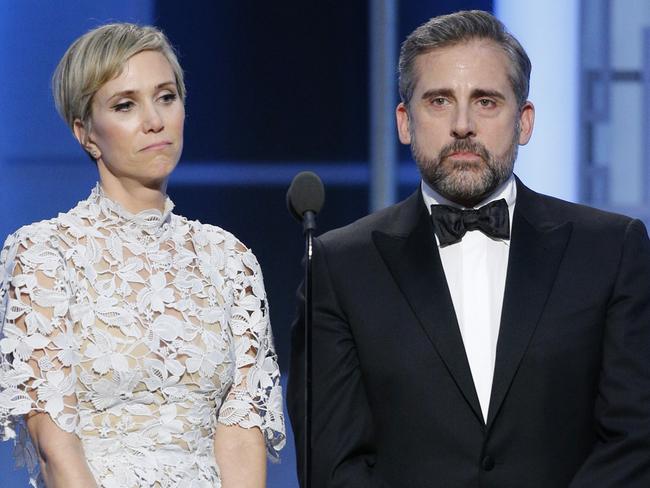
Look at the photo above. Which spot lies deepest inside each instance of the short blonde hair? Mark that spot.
(99, 56)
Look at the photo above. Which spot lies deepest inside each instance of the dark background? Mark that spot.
(274, 88)
(283, 83)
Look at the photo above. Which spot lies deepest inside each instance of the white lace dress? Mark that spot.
(139, 333)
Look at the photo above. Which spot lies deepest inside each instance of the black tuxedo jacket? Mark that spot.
(394, 402)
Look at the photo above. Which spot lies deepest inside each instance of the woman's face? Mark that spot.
(137, 122)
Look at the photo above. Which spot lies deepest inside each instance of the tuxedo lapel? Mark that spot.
(413, 259)
(536, 249)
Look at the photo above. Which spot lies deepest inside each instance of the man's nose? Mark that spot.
(463, 123)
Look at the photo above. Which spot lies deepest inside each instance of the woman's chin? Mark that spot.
(159, 171)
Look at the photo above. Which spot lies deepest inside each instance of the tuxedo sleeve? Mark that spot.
(343, 450)
(621, 455)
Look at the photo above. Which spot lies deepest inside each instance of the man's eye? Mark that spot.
(439, 101)
(486, 102)
(123, 106)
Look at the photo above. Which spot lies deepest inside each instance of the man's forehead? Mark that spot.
(467, 51)
(475, 59)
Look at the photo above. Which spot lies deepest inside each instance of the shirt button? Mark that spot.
(488, 463)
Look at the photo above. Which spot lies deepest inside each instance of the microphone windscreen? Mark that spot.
(306, 193)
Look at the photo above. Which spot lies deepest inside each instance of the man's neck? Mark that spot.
(440, 198)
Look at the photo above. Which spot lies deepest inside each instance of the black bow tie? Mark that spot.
(450, 223)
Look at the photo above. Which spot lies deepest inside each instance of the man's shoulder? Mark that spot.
(558, 211)
(394, 220)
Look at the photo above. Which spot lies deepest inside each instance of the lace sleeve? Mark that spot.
(37, 348)
(255, 398)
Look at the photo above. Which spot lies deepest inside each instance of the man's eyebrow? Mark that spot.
(128, 93)
(438, 92)
(481, 92)
(448, 93)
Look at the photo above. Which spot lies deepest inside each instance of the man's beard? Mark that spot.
(466, 182)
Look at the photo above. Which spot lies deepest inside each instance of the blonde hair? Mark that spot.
(99, 56)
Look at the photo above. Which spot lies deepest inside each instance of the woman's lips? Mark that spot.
(156, 145)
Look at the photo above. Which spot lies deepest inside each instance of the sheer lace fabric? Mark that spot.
(138, 333)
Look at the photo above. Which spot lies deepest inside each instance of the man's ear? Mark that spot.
(83, 137)
(526, 123)
(403, 123)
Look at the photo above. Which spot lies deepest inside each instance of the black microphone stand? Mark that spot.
(305, 198)
(308, 227)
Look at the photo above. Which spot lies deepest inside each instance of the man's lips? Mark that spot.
(463, 155)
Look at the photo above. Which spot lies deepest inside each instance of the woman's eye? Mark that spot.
(169, 97)
(123, 106)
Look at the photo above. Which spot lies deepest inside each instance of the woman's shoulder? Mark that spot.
(33, 244)
(41, 232)
(209, 234)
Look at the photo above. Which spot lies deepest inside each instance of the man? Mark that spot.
(507, 346)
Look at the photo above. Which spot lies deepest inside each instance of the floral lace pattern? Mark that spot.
(138, 333)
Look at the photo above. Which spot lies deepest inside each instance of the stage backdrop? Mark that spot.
(273, 88)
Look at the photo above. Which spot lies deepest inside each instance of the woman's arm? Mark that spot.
(35, 293)
(250, 423)
(241, 456)
(61, 456)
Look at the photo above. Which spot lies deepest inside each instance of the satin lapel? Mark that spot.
(535, 254)
(414, 263)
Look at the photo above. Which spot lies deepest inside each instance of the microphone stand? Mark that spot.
(305, 198)
(308, 227)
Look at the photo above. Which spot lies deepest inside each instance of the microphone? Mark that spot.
(305, 198)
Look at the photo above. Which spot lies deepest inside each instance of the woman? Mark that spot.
(136, 348)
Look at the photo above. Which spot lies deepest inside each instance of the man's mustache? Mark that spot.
(464, 145)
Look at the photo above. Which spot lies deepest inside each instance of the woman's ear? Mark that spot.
(83, 137)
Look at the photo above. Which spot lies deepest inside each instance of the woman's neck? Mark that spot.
(133, 195)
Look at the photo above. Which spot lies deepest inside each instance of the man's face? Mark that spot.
(463, 122)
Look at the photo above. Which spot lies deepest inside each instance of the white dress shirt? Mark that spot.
(475, 269)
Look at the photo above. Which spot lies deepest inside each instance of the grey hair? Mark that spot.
(99, 56)
(463, 26)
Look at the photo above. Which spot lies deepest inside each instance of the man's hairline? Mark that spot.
(452, 43)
